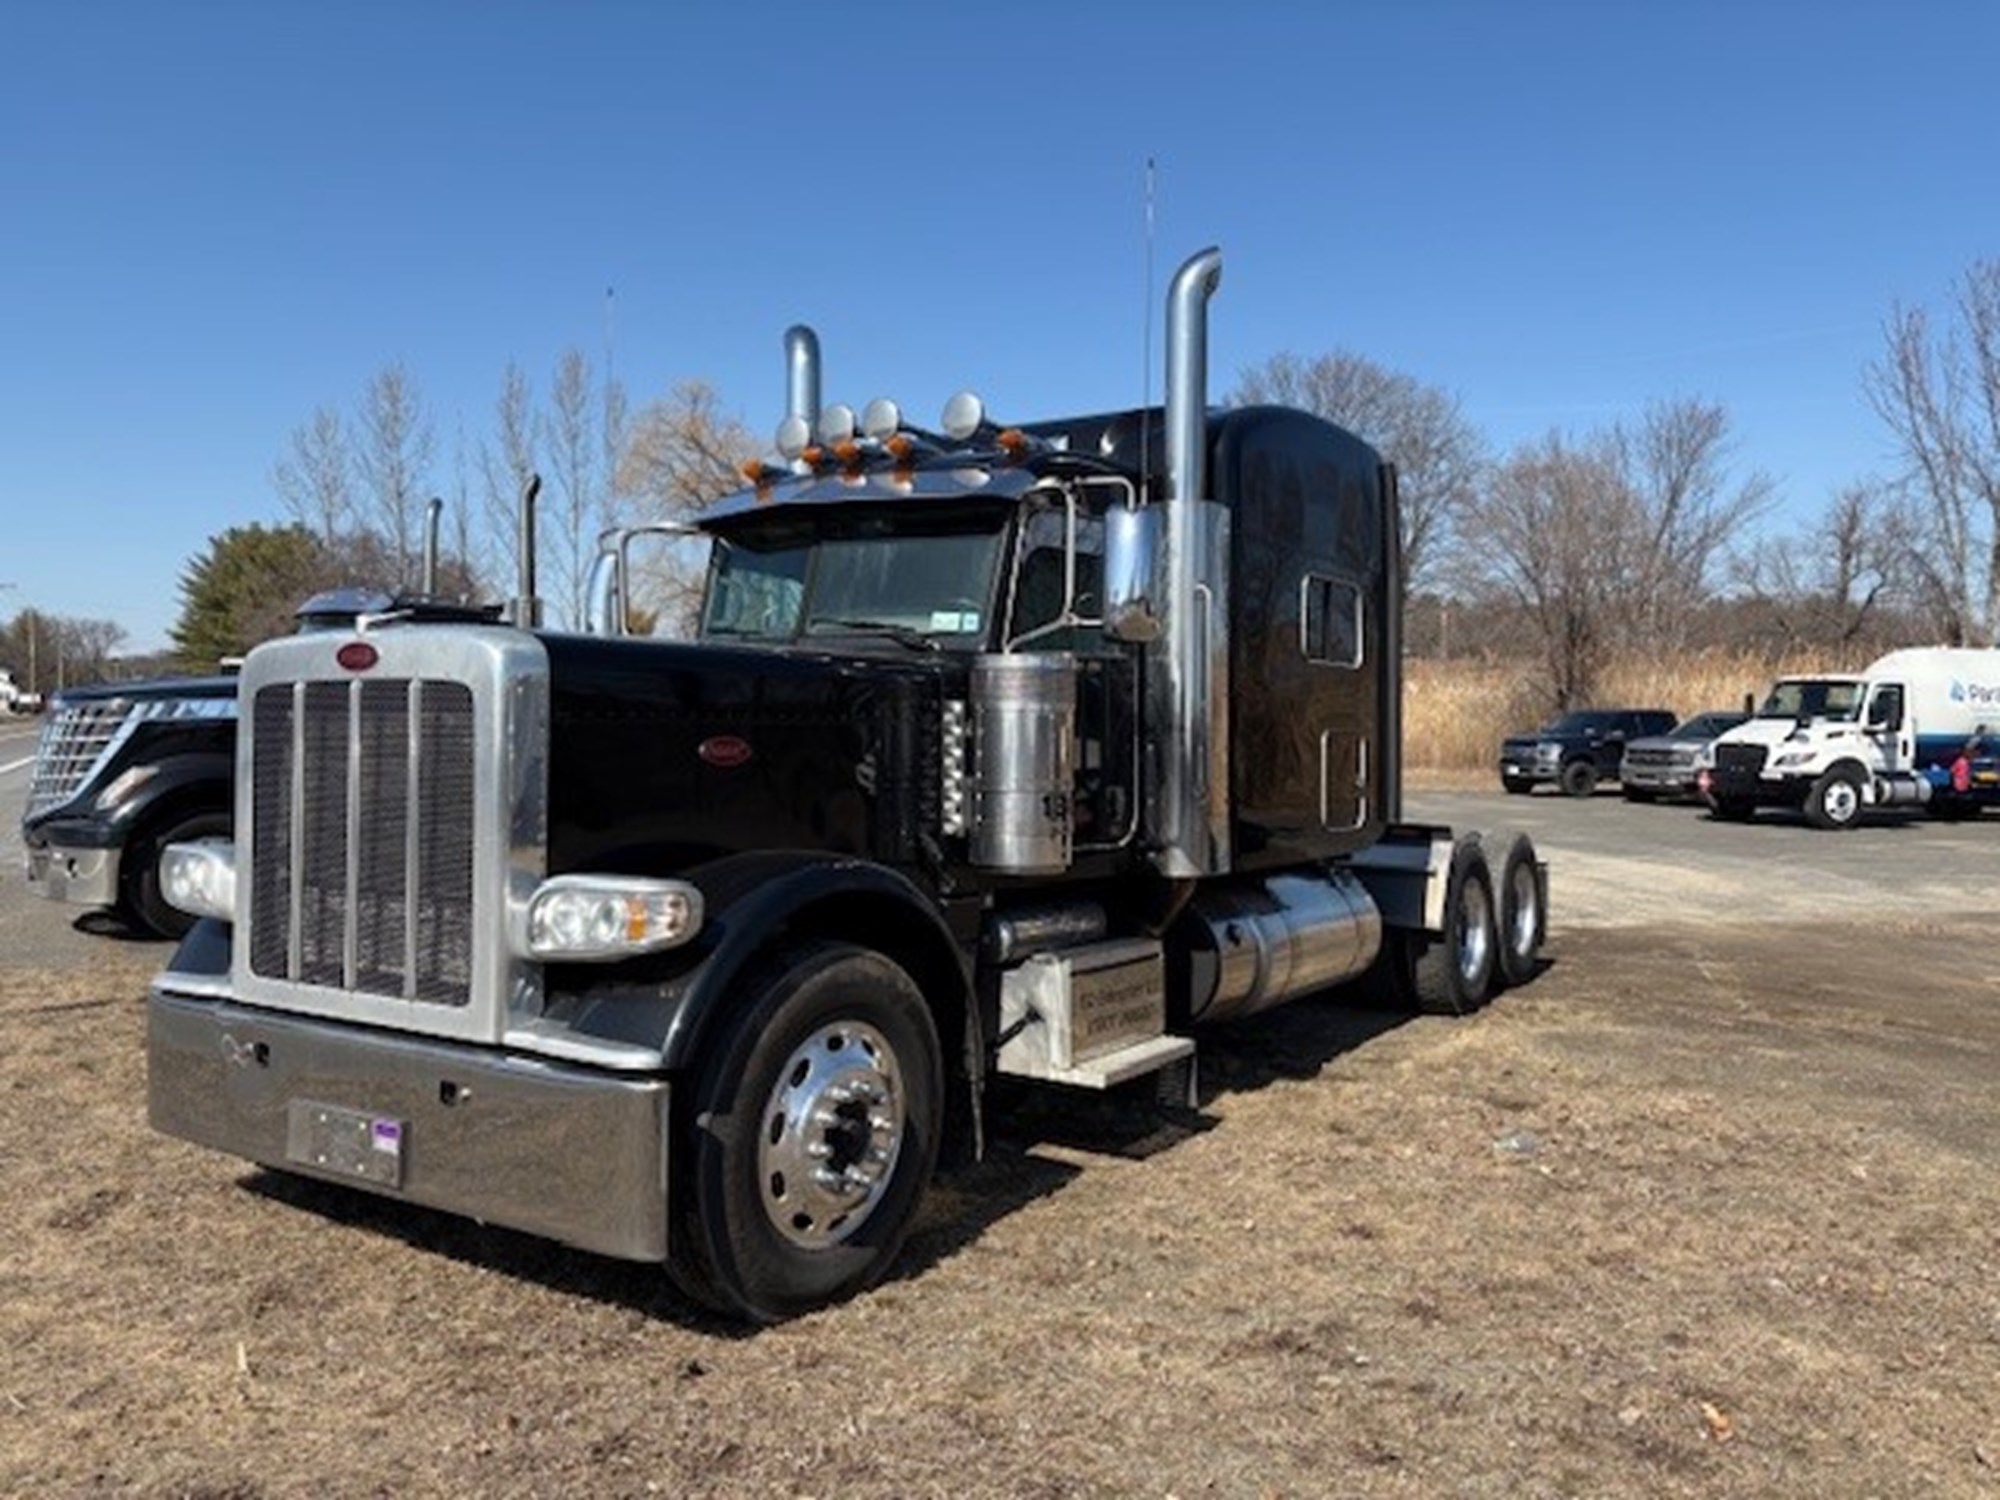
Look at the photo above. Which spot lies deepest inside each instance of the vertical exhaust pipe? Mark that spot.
(1187, 374)
(1190, 695)
(802, 374)
(433, 517)
(527, 608)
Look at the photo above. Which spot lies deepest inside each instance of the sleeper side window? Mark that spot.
(1330, 621)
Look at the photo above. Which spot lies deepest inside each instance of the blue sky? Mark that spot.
(215, 217)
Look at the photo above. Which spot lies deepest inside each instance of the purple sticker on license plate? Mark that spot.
(386, 1135)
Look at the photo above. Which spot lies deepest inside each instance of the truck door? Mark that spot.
(1888, 728)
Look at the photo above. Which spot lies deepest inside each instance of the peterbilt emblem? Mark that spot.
(357, 656)
(724, 751)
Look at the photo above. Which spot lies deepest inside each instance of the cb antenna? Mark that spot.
(1146, 347)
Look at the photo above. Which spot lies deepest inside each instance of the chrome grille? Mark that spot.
(361, 846)
(74, 743)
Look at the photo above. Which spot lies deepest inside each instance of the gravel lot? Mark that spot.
(1708, 1208)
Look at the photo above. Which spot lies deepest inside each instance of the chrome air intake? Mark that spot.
(1023, 728)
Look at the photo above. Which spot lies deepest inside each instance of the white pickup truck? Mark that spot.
(15, 699)
(1918, 727)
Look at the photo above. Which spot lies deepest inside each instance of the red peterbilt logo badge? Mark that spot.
(357, 656)
(724, 751)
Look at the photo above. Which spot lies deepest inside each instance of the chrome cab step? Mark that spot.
(1092, 1016)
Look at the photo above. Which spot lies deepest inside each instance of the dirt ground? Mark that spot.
(1700, 1211)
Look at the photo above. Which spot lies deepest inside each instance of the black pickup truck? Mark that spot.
(123, 770)
(1577, 750)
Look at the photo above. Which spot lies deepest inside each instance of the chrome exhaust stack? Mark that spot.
(527, 610)
(1190, 692)
(433, 518)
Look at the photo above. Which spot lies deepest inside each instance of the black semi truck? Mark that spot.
(1002, 753)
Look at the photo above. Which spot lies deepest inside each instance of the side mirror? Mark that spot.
(1131, 546)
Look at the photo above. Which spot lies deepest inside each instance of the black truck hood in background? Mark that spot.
(147, 690)
(663, 756)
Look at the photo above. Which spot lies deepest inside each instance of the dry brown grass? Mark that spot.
(1456, 712)
(1623, 1235)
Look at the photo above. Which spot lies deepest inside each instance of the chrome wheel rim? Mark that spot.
(1842, 801)
(1476, 935)
(1527, 899)
(830, 1134)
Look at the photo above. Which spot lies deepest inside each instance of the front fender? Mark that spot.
(179, 785)
(754, 904)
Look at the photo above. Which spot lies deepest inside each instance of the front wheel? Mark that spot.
(1835, 799)
(813, 1133)
(1579, 779)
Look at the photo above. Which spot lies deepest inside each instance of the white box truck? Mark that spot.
(1919, 727)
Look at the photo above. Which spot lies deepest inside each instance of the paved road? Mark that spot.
(1614, 863)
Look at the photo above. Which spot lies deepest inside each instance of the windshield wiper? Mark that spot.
(902, 635)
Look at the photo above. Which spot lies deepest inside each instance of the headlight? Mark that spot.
(1794, 758)
(599, 918)
(200, 878)
(1548, 751)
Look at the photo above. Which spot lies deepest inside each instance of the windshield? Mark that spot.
(929, 589)
(1706, 726)
(1812, 698)
(1579, 723)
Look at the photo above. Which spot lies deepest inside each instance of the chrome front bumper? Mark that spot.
(569, 1153)
(83, 877)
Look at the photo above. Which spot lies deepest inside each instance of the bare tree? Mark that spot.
(683, 452)
(505, 462)
(1420, 429)
(580, 477)
(1554, 534)
(1827, 586)
(1939, 395)
(1676, 466)
(393, 461)
(315, 479)
(1608, 543)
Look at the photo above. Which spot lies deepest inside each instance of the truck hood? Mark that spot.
(1772, 732)
(147, 689)
(666, 755)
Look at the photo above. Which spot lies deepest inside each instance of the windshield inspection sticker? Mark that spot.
(959, 622)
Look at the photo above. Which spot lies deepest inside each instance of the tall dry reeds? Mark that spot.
(1456, 712)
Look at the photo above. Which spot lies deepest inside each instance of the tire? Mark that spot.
(812, 1134)
(1579, 779)
(1733, 809)
(1519, 786)
(1454, 970)
(142, 904)
(1835, 799)
(1523, 917)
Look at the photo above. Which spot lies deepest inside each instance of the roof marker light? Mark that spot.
(794, 437)
(964, 414)
(836, 425)
(881, 419)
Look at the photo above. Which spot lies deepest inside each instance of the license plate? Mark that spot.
(347, 1143)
